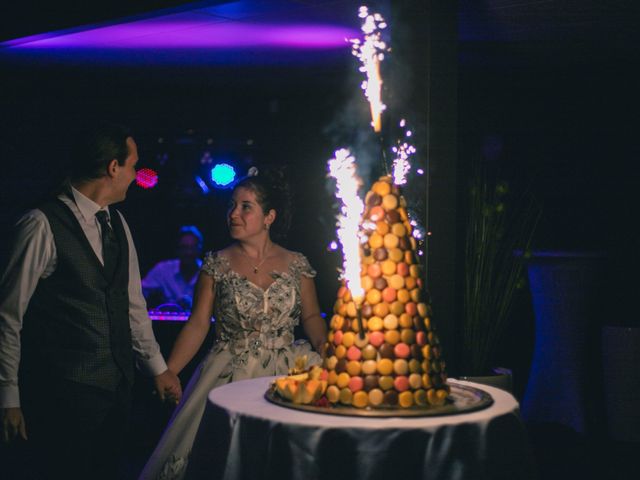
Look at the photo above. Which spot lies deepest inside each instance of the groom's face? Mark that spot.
(126, 173)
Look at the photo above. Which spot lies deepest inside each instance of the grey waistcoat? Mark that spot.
(77, 323)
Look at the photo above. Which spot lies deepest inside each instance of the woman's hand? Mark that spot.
(168, 387)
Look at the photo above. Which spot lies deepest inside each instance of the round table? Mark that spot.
(243, 436)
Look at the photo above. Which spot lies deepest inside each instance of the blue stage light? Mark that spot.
(201, 183)
(223, 174)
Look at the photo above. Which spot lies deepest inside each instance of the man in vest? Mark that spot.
(73, 320)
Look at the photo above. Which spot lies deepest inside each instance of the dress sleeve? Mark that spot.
(301, 266)
(214, 265)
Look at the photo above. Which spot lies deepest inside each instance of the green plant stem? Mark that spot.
(492, 269)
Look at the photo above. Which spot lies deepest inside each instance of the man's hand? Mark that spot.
(168, 386)
(12, 424)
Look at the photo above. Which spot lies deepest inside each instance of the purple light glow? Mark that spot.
(182, 34)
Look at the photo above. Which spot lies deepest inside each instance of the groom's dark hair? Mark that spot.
(95, 148)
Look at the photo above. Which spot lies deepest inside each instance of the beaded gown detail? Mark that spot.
(254, 338)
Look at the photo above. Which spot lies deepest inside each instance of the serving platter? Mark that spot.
(462, 399)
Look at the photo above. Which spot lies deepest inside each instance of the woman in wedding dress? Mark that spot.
(258, 292)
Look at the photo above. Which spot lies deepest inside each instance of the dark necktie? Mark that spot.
(110, 249)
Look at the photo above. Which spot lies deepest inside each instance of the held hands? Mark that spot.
(12, 424)
(168, 387)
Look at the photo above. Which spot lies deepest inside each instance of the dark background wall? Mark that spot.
(550, 92)
(247, 116)
(545, 90)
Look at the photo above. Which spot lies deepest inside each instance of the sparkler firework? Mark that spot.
(403, 151)
(370, 52)
(352, 231)
(342, 168)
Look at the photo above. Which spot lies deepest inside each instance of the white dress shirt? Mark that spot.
(33, 256)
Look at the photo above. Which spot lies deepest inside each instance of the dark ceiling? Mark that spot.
(609, 23)
(556, 79)
(539, 20)
(31, 17)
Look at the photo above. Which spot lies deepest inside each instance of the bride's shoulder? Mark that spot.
(216, 263)
(299, 265)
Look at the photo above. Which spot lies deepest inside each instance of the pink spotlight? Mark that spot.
(146, 178)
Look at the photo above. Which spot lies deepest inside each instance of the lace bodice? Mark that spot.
(249, 319)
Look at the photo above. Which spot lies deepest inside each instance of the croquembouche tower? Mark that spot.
(382, 350)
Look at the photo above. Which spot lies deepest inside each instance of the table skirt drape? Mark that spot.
(242, 436)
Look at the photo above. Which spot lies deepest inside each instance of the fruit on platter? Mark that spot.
(303, 388)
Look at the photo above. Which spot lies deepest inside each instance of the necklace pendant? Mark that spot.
(255, 269)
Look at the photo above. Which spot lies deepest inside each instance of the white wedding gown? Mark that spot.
(254, 338)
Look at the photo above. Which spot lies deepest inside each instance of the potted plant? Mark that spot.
(500, 228)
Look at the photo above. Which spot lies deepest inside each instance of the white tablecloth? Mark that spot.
(243, 436)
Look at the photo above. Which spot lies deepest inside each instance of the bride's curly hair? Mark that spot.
(272, 192)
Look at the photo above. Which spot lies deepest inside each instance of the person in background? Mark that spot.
(258, 291)
(73, 320)
(173, 281)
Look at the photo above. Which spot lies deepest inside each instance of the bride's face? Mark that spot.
(245, 217)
